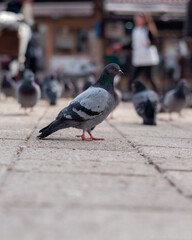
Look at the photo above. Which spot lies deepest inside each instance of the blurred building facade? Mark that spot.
(168, 15)
(100, 30)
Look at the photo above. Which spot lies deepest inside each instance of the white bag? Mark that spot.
(154, 55)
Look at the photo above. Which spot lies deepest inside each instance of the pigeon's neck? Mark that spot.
(106, 81)
(180, 92)
(140, 89)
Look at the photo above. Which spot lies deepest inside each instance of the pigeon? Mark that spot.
(89, 81)
(145, 102)
(6, 86)
(52, 89)
(89, 108)
(28, 92)
(175, 99)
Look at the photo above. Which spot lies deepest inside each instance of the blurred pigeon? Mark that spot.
(175, 100)
(52, 89)
(89, 108)
(89, 81)
(28, 92)
(6, 86)
(145, 102)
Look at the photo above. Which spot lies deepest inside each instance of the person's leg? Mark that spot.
(134, 74)
(148, 72)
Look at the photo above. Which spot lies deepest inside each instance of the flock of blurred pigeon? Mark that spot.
(96, 101)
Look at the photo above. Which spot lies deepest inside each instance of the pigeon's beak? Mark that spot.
(120, 72)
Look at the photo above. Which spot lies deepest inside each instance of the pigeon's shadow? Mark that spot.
(61, 139)
(12, 115)
(129, 123)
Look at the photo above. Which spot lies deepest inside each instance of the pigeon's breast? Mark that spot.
(26, 91)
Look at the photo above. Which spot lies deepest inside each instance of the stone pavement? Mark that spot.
(137, 184)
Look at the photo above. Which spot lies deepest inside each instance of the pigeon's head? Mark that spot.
(138, 86)
(182, 83)
(53, 76)
(182, 86)
(112, 69)
(30, 77)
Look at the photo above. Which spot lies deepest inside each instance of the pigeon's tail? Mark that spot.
(53, 98)
(161, 105)
(150, 113)
(55, 126)
(49, 129)
(53, 102)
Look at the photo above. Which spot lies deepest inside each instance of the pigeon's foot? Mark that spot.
(88, 139)
(26, 113)
(83, 137)
(111, 117)
(94, 138)
(170, 117)
(180, 115)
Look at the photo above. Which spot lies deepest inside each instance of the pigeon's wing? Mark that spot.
(169, 100)
(88, 105)
(154, 99)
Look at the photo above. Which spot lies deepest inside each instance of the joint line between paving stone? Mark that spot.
(149, 161)
(20, 149)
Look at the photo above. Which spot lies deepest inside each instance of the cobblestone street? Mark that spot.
(136, 184)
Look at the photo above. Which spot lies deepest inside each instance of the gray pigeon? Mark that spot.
(145, 102)
(28, 92)
(89, 108)
(175, 100)
(52, 89)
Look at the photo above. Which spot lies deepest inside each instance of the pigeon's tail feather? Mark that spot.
(161, 104)
(51, 128)
(53, 98)
(149, 122)
(55, 126)
(150, 114)
(53, 102)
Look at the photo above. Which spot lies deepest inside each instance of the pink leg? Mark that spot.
(83, 137)
(25, 112)
(93, 138)
(170, 117)
(111, 117)
(180, 114)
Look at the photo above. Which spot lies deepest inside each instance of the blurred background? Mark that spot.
(77, 38)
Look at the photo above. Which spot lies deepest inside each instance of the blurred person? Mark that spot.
(144, 51)
(27, 11)
(188, 31)
(171, 66)
(14, 6)
(34, 52)
(188, 20)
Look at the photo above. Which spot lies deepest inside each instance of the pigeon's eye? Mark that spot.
(113, 68)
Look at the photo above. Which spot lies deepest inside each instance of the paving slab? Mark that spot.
(136, 184)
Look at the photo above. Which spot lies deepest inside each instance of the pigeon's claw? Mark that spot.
(88, 139)
(93, 138)
(83, 137)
